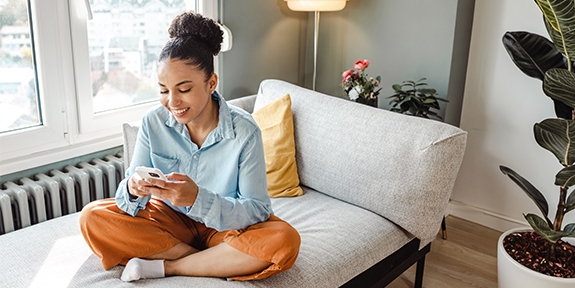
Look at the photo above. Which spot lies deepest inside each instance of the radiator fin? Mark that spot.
(55, 193)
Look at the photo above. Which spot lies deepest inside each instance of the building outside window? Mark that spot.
(18, 98)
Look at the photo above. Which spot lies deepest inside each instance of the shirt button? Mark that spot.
(196, 157)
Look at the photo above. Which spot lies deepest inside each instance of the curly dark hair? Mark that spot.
(194, 39)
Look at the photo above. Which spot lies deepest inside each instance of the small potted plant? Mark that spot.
(358, 86)
(415, 100)
(538, 257)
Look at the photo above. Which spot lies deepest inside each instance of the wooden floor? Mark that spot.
(466, 259)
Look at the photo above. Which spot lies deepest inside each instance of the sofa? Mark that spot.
(375, 189)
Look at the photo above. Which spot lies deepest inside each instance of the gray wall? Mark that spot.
(403, 39)
(269, 41)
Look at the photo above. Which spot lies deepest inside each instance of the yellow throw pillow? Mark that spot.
(276, 123)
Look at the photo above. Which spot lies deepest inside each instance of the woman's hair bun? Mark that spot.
(199, 28)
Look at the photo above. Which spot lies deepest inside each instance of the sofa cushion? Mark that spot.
(339, 241)
(276, 123)
(400, 167)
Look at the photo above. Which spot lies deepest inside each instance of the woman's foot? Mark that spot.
(137, 269)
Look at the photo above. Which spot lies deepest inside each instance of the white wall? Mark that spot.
(500, 107)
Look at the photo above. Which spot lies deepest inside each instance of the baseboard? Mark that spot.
(483, 217)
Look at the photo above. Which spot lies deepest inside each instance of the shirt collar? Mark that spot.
(225, 128)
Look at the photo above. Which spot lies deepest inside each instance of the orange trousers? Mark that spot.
(116, 237)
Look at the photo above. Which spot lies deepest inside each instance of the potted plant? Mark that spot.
(415, 100)
(541, 254)
(358, 86)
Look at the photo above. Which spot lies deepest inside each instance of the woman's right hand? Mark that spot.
(136, 186)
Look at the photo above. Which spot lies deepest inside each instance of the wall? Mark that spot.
(404, 40)
(500, 107)
(268, 42)
(410, 39)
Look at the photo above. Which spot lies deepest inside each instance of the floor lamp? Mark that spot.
(316, 6)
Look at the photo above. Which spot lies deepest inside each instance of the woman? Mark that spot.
(213, 216)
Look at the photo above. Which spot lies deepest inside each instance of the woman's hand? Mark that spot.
(180, 189)
(137, 186)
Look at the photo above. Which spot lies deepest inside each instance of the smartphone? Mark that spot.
(147, 172)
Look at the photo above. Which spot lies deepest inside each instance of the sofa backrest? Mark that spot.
(400, 167)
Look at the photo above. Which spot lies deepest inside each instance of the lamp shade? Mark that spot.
(316, 5)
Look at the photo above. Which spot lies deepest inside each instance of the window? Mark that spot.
(67, 82)
(18, 93)
(116, 77)
(123, 51)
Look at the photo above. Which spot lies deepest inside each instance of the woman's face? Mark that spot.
(184, 90)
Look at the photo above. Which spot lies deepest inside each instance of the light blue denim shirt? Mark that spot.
(229, 168)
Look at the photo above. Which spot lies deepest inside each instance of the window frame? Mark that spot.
(69, 127)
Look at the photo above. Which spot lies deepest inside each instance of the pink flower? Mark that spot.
(361, 64)
(346, 73)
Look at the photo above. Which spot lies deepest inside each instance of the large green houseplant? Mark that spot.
(551, 62)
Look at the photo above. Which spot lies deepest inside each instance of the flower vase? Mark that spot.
(368, 101)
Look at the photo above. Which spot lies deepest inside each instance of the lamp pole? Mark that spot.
(316, 6)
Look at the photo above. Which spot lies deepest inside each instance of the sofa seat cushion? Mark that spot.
(339, 241)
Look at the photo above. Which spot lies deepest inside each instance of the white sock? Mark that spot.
(141, 269)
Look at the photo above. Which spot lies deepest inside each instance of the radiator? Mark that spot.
(55, 193)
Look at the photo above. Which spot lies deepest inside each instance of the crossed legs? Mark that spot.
(227, 254)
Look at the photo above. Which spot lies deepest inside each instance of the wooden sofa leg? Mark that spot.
(419, 273)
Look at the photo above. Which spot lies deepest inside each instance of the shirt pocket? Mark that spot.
(164, 163)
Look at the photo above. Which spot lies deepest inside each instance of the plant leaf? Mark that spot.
(562, 110)
(570, 202)
(547, 11)
(531, 191)
(565, 177)
(570, 228)
(542, 228)
(560, 14)
(559, 84)
(533, 54)
(427, 91)
(555, 135)
(554, 35)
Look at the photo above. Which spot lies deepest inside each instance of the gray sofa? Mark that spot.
(376, 185)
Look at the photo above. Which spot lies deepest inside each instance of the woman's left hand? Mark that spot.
(180, 189)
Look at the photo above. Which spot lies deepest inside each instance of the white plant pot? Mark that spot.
(511, 274)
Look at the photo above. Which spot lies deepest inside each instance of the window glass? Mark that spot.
(19, 106)
(125, 38)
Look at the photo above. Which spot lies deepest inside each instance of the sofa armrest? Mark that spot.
(246, 103)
